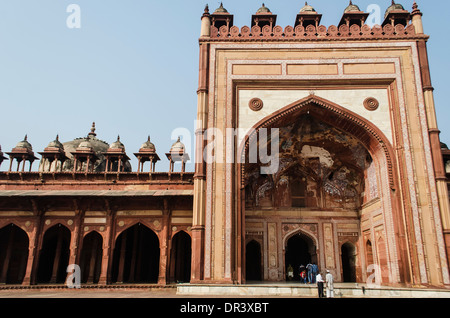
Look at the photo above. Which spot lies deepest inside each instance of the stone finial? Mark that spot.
(416, 9)
(92, 133)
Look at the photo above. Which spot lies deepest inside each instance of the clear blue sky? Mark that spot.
(132, 67)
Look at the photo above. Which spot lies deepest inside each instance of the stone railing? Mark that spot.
(311, 32)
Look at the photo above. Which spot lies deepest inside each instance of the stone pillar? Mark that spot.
(163, 248)
(32, 255)
(107, 257)
(199, 208)
(442, 224)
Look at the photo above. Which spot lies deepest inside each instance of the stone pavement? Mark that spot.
(259, 290)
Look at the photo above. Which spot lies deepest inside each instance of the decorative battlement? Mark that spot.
(312, 33)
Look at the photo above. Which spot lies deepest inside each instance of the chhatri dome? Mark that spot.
(307, 9)
(394, 6)
(221, 9)
(56, 144)
(263, 9)
(177, 147)
(24, 144)
(117, 144)
(148, 145)
(352, 7)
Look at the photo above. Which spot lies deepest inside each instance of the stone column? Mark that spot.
(163, 248)
(32, 255)
(199, 208)
(108, 243)
(442, 224)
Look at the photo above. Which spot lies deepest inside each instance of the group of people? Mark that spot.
(310, 274)
(329, 284)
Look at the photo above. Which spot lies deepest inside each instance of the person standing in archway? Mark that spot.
(330, 284)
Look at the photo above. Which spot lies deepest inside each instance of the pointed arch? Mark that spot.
(369, 136)
(300, 249)
(136, 255)
(91, 257)
(180, 257)
(348, 262)
(54, 255)
(14, 244)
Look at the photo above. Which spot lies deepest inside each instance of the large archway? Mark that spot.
(328, 156)
(13, 254)
(54, 255)
(136, 256)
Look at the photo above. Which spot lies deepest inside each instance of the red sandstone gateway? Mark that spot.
(360, 189)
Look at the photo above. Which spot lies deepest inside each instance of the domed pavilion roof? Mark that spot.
(352, 8)
(177, 147)
(148, 145)
(117, 144)
(56, 144)
(263, 9)
(24, 144)
(307, 9)
(393, 7)
(221, 9)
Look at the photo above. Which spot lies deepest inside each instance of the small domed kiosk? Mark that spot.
(177, 153)
(22, 152)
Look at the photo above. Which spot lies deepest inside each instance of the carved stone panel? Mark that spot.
(329, 245)
(272, 255)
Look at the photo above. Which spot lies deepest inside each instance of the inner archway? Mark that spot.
(253, 261)
(91, 258)
(180, 258)
(348, 258)
(136, 256)
(13, 254)
(54, 255)
(300, 251)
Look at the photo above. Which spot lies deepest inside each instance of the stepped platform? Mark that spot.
(341, 290)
